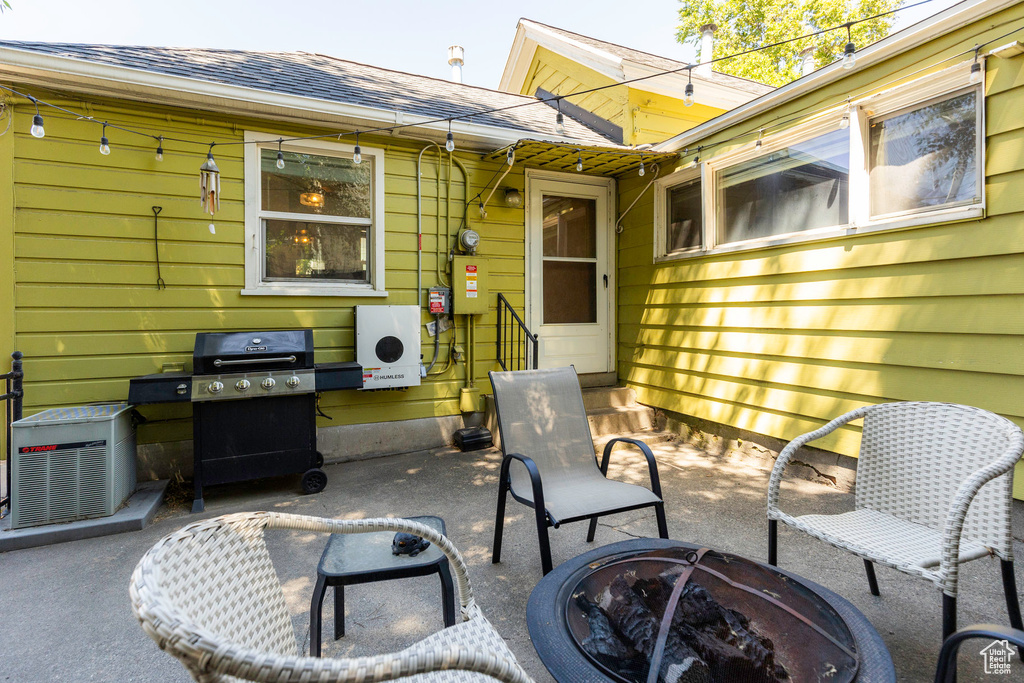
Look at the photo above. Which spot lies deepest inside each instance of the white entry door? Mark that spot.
(570, 278)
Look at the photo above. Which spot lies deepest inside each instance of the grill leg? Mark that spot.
(872, 581)
(773, 542)
(1010, 588)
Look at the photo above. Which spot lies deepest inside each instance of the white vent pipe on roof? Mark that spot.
(456, 58)
(807, 64)
(707, 46)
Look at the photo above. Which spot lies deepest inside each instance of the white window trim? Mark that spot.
(254, 247)
(919, 91)
(662, 187)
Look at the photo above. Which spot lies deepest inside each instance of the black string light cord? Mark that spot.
(160, 139)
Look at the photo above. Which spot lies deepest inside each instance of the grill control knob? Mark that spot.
(215, 387)
(242, 385)
(268, 383)
(292, 382)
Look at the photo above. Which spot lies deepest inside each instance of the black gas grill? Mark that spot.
(253, 398)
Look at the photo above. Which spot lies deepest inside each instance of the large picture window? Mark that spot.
(315, 223)
(905, 156)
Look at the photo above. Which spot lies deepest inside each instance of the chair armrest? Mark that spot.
(796, 444)
(945, 673)
(277, 520)
(957, 513)
(531, 467)
(652, 465)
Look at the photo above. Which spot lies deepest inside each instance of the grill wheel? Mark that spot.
(314, 481)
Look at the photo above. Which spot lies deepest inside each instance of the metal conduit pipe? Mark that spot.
(419, 216)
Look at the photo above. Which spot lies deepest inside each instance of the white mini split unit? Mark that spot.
(388, 346)
(71, 463)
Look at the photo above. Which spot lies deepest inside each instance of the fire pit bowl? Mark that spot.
(657, 610)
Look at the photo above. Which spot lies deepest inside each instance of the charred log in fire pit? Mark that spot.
(706, 642)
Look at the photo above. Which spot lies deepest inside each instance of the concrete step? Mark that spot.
(608, 397)
(619, 420)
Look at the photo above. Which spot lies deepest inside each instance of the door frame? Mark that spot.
(532, 177)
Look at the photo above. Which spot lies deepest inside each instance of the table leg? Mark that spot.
(339, 611)
(447, 593)
(316, 608)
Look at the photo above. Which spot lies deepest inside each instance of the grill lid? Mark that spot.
(223, 352)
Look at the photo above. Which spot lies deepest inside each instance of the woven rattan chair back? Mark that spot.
(914, 456)
(541, 413)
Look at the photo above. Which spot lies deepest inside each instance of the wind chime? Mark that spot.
(209, 186)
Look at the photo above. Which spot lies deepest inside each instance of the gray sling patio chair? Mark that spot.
(548, 458)
(208, 594)
(934, 489)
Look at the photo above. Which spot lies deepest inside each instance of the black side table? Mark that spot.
(349, 559)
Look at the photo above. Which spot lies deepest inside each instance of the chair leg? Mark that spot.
(659, 513)
(869, 567)
(542, 537)
(447, 594)
(1010, 588)
(592, 530)
(339, 611)
(316, 609)
(948, 616)
(499, 522)
(773, 542)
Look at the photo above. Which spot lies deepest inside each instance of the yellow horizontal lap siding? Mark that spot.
(657, 117)
(86, 309)
(778, 341)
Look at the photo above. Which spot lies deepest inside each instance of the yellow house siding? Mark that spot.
(6, 265)
(88, 313)
(562, 76)
(780, 340)
(658, 117)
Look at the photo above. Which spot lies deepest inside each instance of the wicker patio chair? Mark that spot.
(208, 594)
(934, 489)
(998, 636)
(549, 461)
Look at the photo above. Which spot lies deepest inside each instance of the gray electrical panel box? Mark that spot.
(71, 463)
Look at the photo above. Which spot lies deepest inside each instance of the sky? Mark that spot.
(405, 35)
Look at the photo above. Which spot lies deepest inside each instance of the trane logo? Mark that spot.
(39, 449)
(255, 348)
(61, 446)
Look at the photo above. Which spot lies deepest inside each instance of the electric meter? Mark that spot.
(469, 240)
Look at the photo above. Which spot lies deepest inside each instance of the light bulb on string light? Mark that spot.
(280, 154)
(849, 52)
(760, 134)
(449, 143)
(104, 143)
(641, 171)
(975, 68)
(696, 159)
(559, 119)
(510, 156)
(579, 162)
(37, 130)
(160, 148)
(357, 154)
(844, 122)
(688, 92)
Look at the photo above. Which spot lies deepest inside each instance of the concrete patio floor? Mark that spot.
(66, 612)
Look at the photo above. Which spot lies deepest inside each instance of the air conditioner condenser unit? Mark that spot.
(388, 346)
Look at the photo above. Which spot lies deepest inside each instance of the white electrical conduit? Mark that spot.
(654, 176)
(419, 216)
(483, 206)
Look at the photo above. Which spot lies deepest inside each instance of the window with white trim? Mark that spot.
(907, 156)
(314, 223)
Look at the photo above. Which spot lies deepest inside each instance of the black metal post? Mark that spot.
(869, 567)
(14, 395)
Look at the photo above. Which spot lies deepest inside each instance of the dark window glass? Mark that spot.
(301, 250)
(315, 184)
(685, 217)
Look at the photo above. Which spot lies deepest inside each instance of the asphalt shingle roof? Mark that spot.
(657, 62)
(326, 78)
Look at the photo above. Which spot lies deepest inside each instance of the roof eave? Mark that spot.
(950, 19)
(156, 88)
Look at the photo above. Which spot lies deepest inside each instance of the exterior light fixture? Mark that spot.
(513, 198)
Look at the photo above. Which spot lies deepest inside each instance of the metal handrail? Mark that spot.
(13, 395)
(521, 344)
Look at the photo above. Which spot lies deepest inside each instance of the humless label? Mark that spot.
(62, 446)
(255, 348)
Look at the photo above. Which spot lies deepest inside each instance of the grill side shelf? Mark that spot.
(337, 376)
(162, 387)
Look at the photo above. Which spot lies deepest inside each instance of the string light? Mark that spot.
(449, 143)
(641, 171)
(579, 161)
(280, 154)
(688, 93)
(760, 134)
(849, 56)
(975, 68)
(37, 130)
(160, 148)
(696, 159)
(104, 143)
(357, 155)
(559, 119)
(844, 122)
(510, 156)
